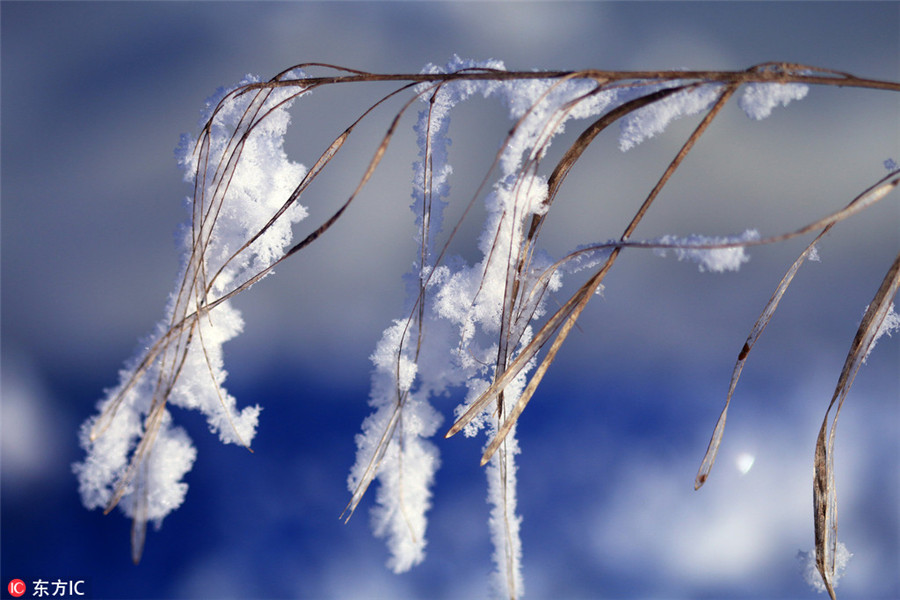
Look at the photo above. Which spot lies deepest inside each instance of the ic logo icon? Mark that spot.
(16, 588)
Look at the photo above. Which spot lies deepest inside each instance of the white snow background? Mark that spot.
(94, 99)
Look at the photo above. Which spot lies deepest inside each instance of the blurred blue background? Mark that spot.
(94, 99)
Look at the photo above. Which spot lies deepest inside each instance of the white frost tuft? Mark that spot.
(651, 120)
(467, 307)
(759, 99)
(184, 366)
(717, 260)
(504, 523)
(889, 325)
(811, 574)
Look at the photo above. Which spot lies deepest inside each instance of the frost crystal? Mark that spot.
(653, 119)
(759, 99)
(478, 317)
(135, 456)
(466, 309)
(811, 574)
(889, 325)
(717, 260)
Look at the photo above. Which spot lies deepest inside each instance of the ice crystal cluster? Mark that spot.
(478, 316)
(136, 457)
(474, 323)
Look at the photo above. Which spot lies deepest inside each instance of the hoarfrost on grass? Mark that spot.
(652, 120)
(717, 260)
(504, 523)
(467, 306)
(759, 99)
(811, 574)
(889, 325)
(478, 316)
(256, 186)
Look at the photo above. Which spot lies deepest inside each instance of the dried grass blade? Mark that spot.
(574, 152)
(785, 73)
(309, 239)
(768, 312)
(579, 300)
(138, 464)
(203, 222)
(372, 468)
(824, 508)
(867, 198)
(373, 164)
(824, 496)
(535, 380)
(323, 160)
(527, 353)
(151, 428)
(166, 380)
(864, 200)
(320, 164)
(218, 388)
(555, 321)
